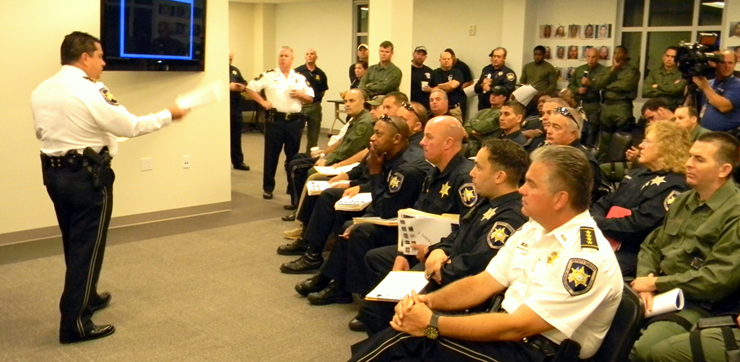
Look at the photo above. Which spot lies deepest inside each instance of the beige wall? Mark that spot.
(32, 33)
(241, 37)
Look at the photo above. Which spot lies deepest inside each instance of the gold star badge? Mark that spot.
(657, 180)
(445, 190)
(394, 182)
(551, 259)
(499, 235)
(469, 195)
(578, 277)
(489, 214)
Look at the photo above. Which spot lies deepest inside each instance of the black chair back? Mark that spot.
(625, 329)
(621, 142)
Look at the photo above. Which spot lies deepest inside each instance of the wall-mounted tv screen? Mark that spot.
(153, 35)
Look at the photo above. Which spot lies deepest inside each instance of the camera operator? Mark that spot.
(721, 102)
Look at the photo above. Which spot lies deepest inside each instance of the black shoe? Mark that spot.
(334, 293)
(289, 217)
(298, 247)
(242, 166)
(306, 264)
(356, 325)
(96, 332)
(101, 302)
(267, 195)
(290, 207)
(313, 284)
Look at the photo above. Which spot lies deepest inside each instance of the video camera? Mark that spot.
(693, 60)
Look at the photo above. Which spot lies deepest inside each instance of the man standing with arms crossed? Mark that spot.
(384, 77)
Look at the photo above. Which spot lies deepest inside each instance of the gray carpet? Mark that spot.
(198, 289)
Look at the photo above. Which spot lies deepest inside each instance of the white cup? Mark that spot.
(314, 152)
(424, 84)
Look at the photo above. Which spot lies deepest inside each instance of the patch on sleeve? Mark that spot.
(108, 96)
(500, 232)
(670, 199)
(395, 182)
(467, 194)
(510, 77)
(588, 238)
(579, 276)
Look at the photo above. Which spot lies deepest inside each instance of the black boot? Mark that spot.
(297, 247)
(333, 293)
(313, 284)
(306, 264)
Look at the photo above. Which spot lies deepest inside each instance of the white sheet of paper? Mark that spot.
(669, 301)
(200, 96)
(470, 90)
(398, 284)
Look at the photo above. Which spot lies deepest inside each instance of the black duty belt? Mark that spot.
(541, 343)
(288, 116)
(73, 160)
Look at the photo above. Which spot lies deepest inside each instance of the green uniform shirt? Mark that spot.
(698, 131)
(355, 139)
(619, 85)
(541, 76)
(670, 86)
(697, 248)
(592, 92)
(484, 122)
(381, 80)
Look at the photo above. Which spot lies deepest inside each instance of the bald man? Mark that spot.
(317, 78)
(721, 97)
(446, 189)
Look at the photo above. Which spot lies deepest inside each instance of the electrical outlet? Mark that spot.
(147, 164)
(471, 30)
(186, 161)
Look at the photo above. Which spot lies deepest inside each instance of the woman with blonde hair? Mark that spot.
(638, 207)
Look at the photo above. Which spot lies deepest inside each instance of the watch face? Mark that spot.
(431, 332)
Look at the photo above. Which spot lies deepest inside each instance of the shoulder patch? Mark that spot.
(108, 96)
(670, 199)
(395, 181)
(259, 76)
(467, 194)
(510, 77)
(91, 79)
(500, 232)
(588, 238)
(579, 276)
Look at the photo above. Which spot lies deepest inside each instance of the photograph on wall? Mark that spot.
(560, 32)
(546, 31)
(584, 49)
(735, 29)
(559, 71)
(560, 52)
(573, 52)
(548, 53)
(605, 31)
(588, 31)
(735, 49)
(604, 53)
(574, 31)
(569, 73)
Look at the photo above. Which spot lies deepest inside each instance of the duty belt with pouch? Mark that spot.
(272, 115)
(72, 161)
(99, 163)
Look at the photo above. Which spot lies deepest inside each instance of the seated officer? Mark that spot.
(646, 192)
(485, 123)
(395, 172)
(499, 166)
(548, 109)
(715, 343)
(510, 122)
(697, 249)
(561, 279)
(446, 190)
(688, 118)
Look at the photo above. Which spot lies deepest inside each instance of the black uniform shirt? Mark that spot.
(317, 79)
(647, 194)
(417, 76)
(450, 191)
(503, 76)
(399, 185)
(235, 76)
(440, 76)
(483, 231)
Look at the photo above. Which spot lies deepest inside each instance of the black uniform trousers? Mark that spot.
(237, 157)
(346, 264)
(83, 213)
(280, 134)
(390, 345)
(325, 220)
(297, 171)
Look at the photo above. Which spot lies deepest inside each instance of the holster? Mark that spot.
(270, 116)
(99, 166)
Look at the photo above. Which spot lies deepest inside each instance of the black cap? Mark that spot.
(421, 48)
(500, 91)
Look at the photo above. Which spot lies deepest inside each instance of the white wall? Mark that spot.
(325, 26)
(241, 37)
(32, 33)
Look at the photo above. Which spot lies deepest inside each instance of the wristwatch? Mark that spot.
(431, 330)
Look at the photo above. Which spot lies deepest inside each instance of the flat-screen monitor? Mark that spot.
(153, 35)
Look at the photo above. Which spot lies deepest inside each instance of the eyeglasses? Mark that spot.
(409, 107)
(387, 118)
(564, 111)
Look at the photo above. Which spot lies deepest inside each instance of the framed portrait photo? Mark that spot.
(546, 31)
(605, 31)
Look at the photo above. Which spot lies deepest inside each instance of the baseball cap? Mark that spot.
(363, 45)
(421, 48)
(376, 101)
(499, 91)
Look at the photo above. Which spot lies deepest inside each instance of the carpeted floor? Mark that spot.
(198, 289)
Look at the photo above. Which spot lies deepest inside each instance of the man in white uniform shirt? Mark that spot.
(77, 120)
(286, 93)
(561, 278)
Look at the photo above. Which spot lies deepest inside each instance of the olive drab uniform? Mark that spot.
(619, 90)
(590, 101)
(670, 86)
